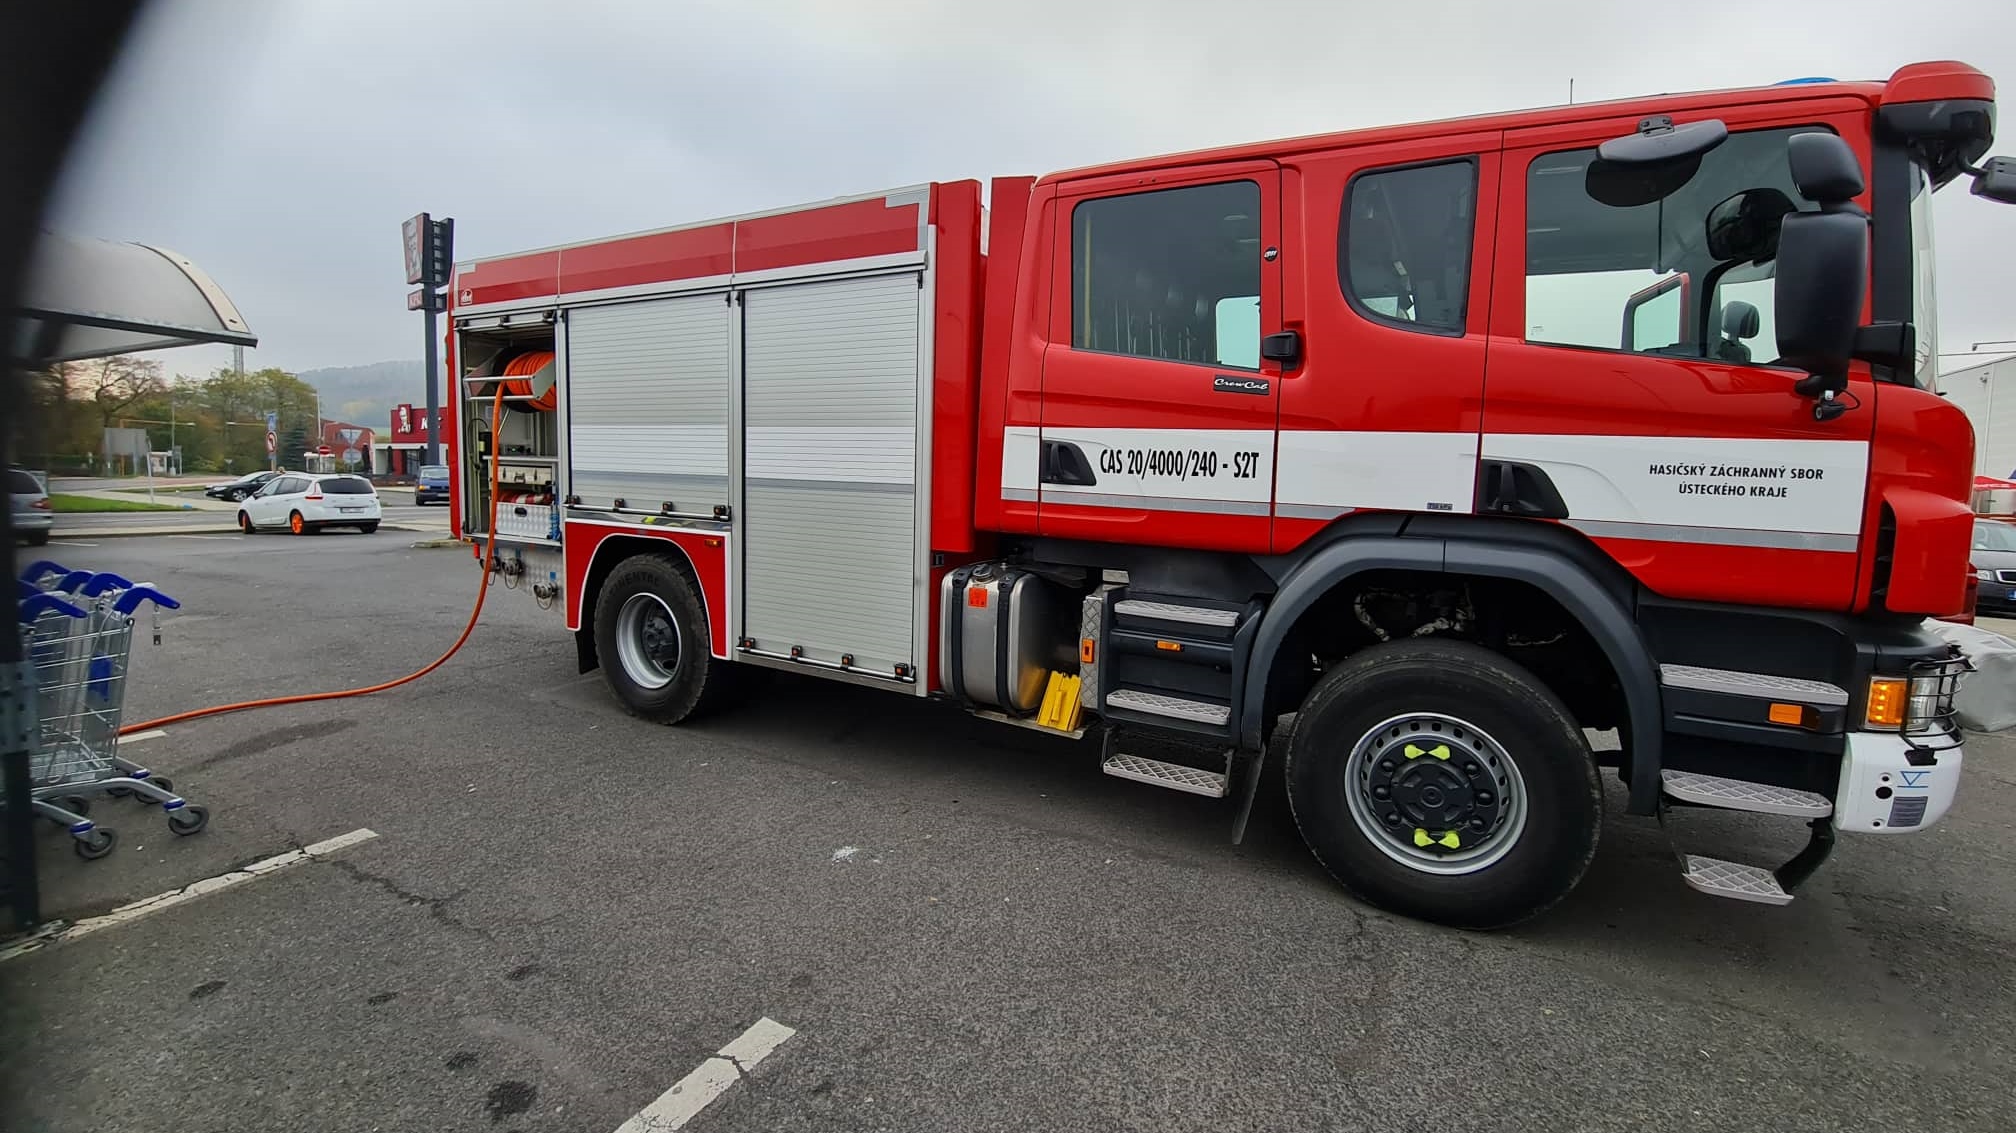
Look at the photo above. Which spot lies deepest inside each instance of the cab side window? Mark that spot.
(1673, 259)
(1172, 275)
(1403, 244)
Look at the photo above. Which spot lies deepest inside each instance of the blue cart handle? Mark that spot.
(100, 583)
(70, 582)
(131, 599)
(33, 608)
(40, 568)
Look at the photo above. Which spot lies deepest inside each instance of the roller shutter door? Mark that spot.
(647, 400)
(830, 469)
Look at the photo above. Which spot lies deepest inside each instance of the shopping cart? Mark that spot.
(77, 637)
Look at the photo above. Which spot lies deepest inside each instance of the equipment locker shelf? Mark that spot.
(527, 447)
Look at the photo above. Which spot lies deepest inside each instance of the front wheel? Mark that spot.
(245, 524)
(1443, 781)
(651, 639)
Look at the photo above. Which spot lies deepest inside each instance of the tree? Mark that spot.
(114, 384)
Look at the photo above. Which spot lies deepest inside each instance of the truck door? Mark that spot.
(1158, 412)
(1392, 298)
(1632, 365)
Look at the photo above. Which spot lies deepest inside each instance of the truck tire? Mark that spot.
(651, 641)
(1445, 782)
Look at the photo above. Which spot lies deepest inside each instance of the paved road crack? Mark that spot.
(437, 907)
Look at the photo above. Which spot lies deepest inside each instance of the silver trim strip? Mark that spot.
(1718, 536)
(1311, 511)
(1021, 495)
(1155, 503)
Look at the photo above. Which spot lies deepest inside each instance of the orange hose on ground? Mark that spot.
(482, 590)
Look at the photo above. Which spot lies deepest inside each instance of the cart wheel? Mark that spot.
(96, 844)
(118, 792)
(189, 820)
(76, 804)
(161, 781)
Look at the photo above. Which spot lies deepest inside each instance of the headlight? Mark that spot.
(1913, 705)
(1985, 575)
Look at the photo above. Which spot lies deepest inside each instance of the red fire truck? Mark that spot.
(1398, 458)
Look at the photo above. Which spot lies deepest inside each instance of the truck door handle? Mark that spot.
(1065, 463)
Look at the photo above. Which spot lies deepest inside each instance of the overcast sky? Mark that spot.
(280, 143)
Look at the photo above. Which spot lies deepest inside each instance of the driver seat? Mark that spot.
(1740, 320)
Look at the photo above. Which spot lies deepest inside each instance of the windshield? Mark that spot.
(1924, 308)
(1994, 537)
(434, 472)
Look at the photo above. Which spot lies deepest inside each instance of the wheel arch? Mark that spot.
(1558, 562)
(610, 551)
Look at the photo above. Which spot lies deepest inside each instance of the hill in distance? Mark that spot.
(365, 395)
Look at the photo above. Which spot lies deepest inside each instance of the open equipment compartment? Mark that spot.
(514, 357)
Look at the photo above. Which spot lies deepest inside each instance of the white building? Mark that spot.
(1986, 391)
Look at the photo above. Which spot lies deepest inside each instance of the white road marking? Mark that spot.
(691, 1094)
(203, 536)
(69, 543)
(151, 905)
(150, 734)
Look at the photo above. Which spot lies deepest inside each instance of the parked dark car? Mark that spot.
(33, 518)
(431, 486)
(243, 486)
(1994, 557)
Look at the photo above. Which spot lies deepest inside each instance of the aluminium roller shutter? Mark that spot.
(647, 403)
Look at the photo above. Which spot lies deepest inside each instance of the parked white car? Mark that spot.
(305, 503)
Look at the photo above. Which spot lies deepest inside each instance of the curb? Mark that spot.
(225, 529)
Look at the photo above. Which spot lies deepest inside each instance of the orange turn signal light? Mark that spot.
(1793, 715)
(1887, 697)
(1087, 651)
(1170, 646)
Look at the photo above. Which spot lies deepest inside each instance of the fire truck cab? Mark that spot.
(1400, 457)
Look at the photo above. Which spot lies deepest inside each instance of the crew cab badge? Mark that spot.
(1225, 383)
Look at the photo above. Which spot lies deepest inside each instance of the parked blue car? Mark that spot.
(432, 485)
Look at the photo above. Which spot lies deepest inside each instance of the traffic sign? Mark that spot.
(325, 450)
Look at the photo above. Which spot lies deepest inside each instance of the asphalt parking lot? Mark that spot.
(565, 912)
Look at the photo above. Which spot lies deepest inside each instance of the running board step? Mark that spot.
(1738, 794)
(1718, 878)
(1170, 707)
(1173, 612)
(1762, 686)
(1174, 776)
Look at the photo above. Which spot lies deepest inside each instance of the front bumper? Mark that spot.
(1883, 792)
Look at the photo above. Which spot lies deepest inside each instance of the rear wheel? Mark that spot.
(1445, 782)
(368, 528)
(651, 639)
(298, 525)
(38, 538)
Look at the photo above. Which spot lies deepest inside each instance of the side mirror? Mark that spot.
(1822, 271)
(1997, 180)
(1744, 227)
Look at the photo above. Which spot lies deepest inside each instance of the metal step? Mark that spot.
(1763, 686)
(1718, 878)
(1174, 776)
(1738, 794)
(1171, 612)
(1173, 707)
